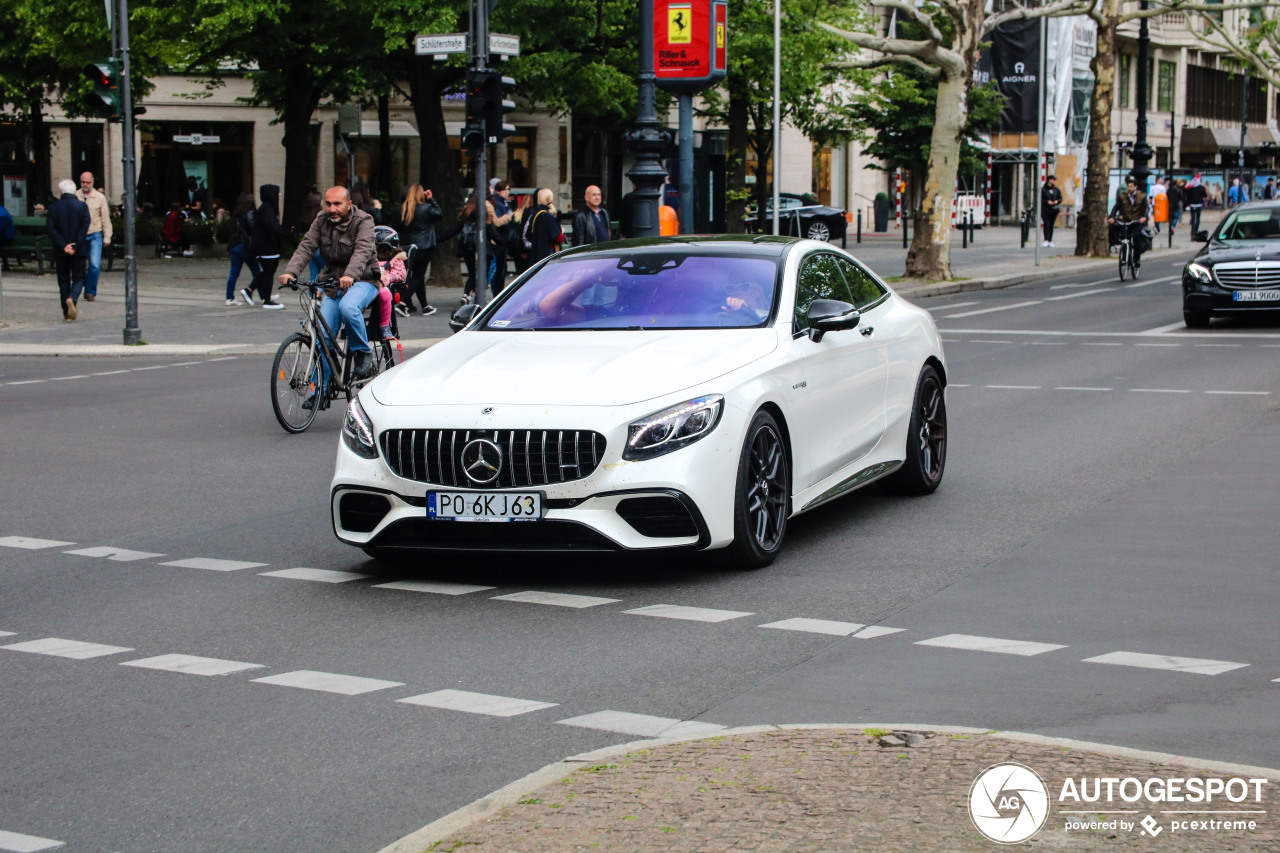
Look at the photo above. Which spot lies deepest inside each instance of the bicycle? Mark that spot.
(297, 373)
(1128, 257)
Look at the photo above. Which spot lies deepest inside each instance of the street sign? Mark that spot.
(504, 45)
(197, 138)
(690, 44)
(438, 45)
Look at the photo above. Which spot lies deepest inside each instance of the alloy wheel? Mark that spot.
(766, 494)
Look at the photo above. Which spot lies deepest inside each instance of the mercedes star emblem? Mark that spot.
(487, 410)
(481, 460)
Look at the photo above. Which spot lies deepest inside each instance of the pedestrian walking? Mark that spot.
(99, 232)
(1177, 191)
(469, 246)
(1050, 203)
(1193, 197)
(1269, 191)
(542, 232)
(67, 222)
(419, 214)
(591, 223)
(239, 246)
(266, 237)
(504, 219)
(1159, 203)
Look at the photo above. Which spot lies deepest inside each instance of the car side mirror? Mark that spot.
(830, 315)
(1201, 236)
(462, 315)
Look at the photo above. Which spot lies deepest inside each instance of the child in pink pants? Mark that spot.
(391, 262)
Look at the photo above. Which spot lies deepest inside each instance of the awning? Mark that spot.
(369, 127)
(1211, 140)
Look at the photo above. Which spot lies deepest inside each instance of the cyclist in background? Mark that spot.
(343, 234)
(1131, 208)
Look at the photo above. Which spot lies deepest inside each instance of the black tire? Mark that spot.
(1124, 260)
(1196, 319)
(762, 497)
(290, 389)
(818, 230)
(1134, 265)
(926, 452)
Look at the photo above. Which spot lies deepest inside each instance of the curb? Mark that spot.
(122, 351)
(468, 815)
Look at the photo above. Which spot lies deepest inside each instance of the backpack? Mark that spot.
(526, 239)
(467, 239)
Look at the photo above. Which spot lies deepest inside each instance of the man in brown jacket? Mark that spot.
(99, 232)
(343, 234)
(1131, 207)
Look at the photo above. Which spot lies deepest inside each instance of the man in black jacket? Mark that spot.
(1050, 203)
(68, 224)
(591, 223)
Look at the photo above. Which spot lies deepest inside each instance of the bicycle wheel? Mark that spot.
(1124, 260)
(383, 357)
(1133, 265)
(295, 377)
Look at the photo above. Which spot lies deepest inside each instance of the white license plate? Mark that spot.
(1257, 296)
(484, 506)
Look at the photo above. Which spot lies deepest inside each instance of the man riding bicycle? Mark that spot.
(343, 234)
(1131, 208)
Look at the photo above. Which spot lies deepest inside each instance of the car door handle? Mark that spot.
(867, 330)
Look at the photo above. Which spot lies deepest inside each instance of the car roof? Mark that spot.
(761, 245)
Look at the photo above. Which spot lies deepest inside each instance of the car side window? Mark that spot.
(820, 278)
(865, 289)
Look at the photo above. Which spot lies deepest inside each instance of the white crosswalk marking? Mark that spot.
(972, 643)
(817, 626)
(29, 544)
(61, 648)
(437, 587)
(642, 725)
(321, 575)
(328, 682)
(120, 555)
(213, 565)
(18, 843)
(1146, 661)
(877, 631)
(192, 665)
(477, 703)
(556, 599)
(7, 634)
(691, 614)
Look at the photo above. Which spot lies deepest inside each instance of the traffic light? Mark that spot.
(105, 99)
(473, 129)
(473, 137)
(497, 105)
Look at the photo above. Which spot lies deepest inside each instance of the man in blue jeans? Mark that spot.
(344, 238)
(99, 232)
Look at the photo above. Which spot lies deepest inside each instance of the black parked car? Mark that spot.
(1239, 269)
(815, 221)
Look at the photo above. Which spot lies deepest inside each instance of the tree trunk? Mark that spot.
(40, 182)
(435, 165)
(1091, 221)
(299, 157)
(736, 185)
(930, 255)
(762, 142)
(382, 185)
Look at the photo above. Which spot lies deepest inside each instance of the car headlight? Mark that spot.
(357, 431)
(673, 428)
(1197, 271)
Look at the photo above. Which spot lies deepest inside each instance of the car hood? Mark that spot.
(609, 368)
(1241, 250)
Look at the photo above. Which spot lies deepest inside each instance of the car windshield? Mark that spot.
(1252, 225)
(642, 290)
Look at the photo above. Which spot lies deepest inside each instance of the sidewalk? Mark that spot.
(181, 310)
(837, 788)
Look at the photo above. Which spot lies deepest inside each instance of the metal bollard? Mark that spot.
(1026, 228)
(859, 226)
(904, 230)
(971, 228)
(964, 235)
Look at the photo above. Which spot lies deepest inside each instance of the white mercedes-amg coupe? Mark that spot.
(680, 393)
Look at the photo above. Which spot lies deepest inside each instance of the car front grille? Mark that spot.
(530, 457)
(1242, 274)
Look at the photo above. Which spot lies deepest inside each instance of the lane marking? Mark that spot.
(1014, 387)
(119, 555)
(1193, 665)
(1079, 388)
(110, 372)
(151, 367)
(328, 682)
(643, 725)
(992, 310)
(1158, 391)
(972, 643)
(1157, 345)
(29, 544)
(1242, 393)
(1164, 280)
(950, 307)
(19, 843)
(689, 614)
(1078, 294)
(7, 634)
(437, 587)
(1221, 346)
(1101, 344)
(1048, 344)
(557, 599)
(979, 341)
(1160, 330)
(213, 565)
(224, 358)
(74, 649)
(28, 382)
(192, 665)
(186, 363)
(951, 385)
(877, 631)
(477, 703)
(60, 378)
(817, 626)
(321, 575)
(1059, 333)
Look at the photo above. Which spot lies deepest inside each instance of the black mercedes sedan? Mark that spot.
(1239, 268)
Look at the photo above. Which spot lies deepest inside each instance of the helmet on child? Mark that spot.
(385, 235)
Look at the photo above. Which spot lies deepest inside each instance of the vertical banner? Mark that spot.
(1012, 61)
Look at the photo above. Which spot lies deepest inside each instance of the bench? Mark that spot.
(30, 240)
